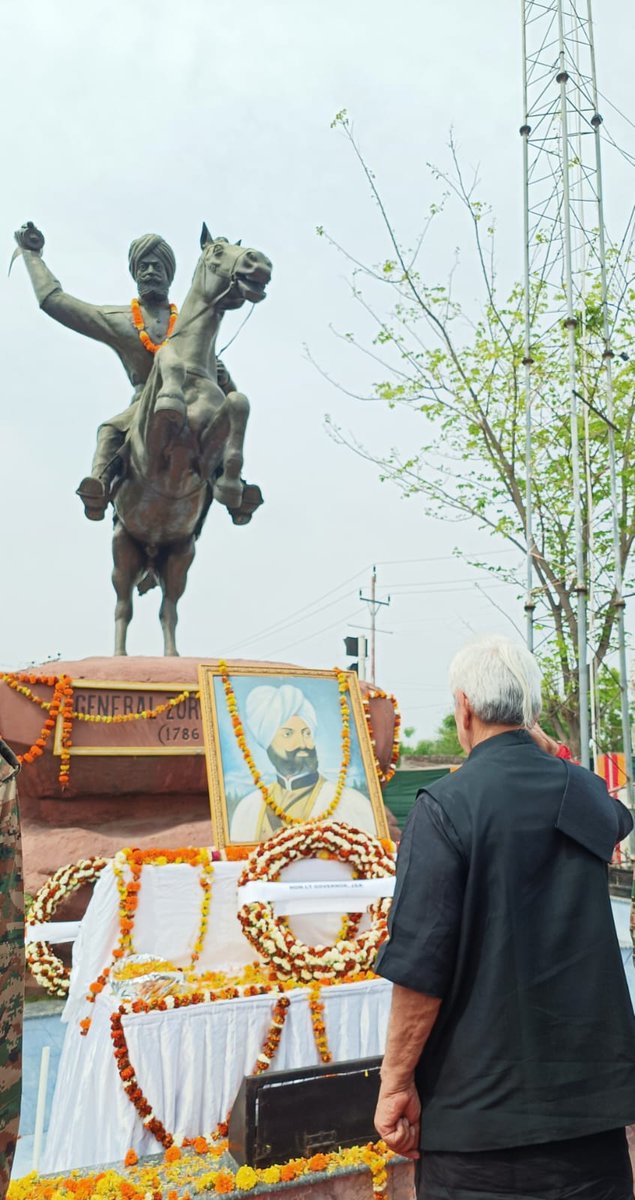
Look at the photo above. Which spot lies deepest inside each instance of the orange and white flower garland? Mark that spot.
(139, 324)
(239, 733)
(127, 1072)
(47, 969)
(271, 936)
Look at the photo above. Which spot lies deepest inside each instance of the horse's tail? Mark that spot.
(150, 576)
(149, 580)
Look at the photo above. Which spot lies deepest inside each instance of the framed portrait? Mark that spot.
(286, 740)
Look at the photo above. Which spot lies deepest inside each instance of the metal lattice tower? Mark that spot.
(564, 254)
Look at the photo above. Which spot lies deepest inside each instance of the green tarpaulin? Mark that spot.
(400, 793)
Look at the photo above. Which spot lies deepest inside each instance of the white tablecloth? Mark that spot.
(189, 1064)
(167, 921)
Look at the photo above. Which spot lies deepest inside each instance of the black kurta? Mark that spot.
(502, 909)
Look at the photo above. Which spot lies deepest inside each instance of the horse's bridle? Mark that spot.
(231, 276)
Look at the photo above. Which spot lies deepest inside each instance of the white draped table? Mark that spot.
(188, 1062)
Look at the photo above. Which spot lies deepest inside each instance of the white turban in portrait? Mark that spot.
(268, 708)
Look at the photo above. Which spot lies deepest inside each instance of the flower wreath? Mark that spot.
(46, 967)
(271, 936)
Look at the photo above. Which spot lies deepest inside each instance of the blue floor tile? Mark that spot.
(38, 1033)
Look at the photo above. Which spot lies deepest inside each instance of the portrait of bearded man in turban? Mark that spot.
(284, 723)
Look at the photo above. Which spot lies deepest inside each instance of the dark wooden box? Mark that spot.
(291, 1114)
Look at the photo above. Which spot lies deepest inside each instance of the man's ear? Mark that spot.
(463, 710)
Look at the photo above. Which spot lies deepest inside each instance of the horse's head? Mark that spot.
(243, 274)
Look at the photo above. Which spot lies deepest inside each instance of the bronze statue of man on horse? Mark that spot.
(179, 444)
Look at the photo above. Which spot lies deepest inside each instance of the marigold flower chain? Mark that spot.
(127, 1072)
(135, 860)
(146, 714)
(239, 734)
(62, 702)
(62, 688)
(272, 1041)
(316, 1008)
(139, 324)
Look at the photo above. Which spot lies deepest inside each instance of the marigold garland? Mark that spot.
(62, 688)
(239, 733)
(271, 935)
(62, 702)
(67, 729)
(47, 969)
(378, 693)
(128, 890)
(139, 324)
(316, 1008)
(127, 1072)
(272, 1041)
(146, 714)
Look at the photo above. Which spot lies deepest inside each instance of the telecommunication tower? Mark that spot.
(564, 255)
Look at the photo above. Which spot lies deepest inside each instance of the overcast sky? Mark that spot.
(128, 116)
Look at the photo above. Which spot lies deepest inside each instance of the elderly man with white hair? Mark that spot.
(283, 721)
(509, 1068)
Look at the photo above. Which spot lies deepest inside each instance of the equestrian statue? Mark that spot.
(179, 444)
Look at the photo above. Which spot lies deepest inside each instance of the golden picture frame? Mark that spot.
(288, 723)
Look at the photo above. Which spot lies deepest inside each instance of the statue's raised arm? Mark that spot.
(90, 319)
(135, 331)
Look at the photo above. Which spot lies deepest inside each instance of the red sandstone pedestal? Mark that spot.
(143, 783)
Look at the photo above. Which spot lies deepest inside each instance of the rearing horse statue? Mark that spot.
(185, 445)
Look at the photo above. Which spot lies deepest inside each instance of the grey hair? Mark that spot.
(501, 680)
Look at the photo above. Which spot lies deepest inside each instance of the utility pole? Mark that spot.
(374, 606)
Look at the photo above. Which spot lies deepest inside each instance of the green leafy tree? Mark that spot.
(445, 742)
(460, 368)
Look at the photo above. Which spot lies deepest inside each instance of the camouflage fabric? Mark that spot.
(11, 977)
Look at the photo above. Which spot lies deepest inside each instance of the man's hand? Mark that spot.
(543, 741)
(29, 237)
(397, 1119)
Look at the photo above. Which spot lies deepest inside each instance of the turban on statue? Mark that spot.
(151, 243)
(268, 708)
